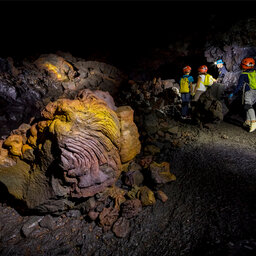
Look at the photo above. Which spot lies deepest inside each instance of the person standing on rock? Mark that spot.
(221, 69)
(185, 91)
(247, 81)
(204, 80)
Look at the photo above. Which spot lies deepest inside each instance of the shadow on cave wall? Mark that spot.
(11, 201)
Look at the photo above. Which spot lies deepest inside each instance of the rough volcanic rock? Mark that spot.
(146, 196)
(130, 144)
(161, 195)
(56, 66)
(77, 147)
(232, 47)
(121, 228)
(131, 208)
(107, 218)
(160, 173)
(209, 109)
(28, 87)
(133, 178)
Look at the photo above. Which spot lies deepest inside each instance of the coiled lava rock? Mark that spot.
(27, 87)
(78, 151)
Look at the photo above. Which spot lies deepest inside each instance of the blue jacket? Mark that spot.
(243, 78)
(222, 72)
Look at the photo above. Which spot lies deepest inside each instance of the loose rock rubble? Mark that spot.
(81, 173)
(80, 158)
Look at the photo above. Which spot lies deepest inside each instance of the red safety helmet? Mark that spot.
(247, 63)
(187, 69)
(203, 69)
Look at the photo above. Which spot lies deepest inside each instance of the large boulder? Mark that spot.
(78, 151)
(27, 87)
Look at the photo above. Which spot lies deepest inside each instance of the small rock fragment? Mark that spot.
(121, 227)
(162, 196)
(47, 222)
(31, 225)
(131, 208)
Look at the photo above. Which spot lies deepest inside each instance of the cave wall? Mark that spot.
(232, 46)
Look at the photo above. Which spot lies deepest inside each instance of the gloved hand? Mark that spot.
(230, 95)
(192, 94)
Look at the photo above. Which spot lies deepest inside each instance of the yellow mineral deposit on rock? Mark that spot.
(42, 125)
(26, 147)
(160, 173)
(5, 160)
(130, 143)
(14, 142)
(33, 135)
(117, 194)
(146, 196)
(57, 66)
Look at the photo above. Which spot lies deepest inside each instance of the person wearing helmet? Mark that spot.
(185, 91)
(247, 80)
(201, 85)
(221, 69)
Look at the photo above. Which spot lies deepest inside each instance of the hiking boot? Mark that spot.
(252, 127)
(247, 123)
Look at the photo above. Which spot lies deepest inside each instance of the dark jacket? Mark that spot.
(222, 72)
(243, 79)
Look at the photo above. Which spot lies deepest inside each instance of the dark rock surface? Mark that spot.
(210, 210)
(28, 87)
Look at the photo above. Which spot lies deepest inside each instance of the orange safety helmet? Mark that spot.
(187, 69)
(247, 63)
(203, 69)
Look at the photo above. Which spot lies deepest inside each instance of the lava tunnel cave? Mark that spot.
(105, 146)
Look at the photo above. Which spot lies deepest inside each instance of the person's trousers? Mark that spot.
(185, 97)
(249, 100)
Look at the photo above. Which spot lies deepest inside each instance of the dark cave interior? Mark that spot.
(127, 48)
(120, 32)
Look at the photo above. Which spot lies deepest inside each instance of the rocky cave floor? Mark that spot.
(210, 210)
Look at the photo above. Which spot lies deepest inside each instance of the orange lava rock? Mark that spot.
(162, 196)
(85, 141)
(33, 137)
(14, 142)
(4, 159)
(160, 173)
(42, 125)
(130, 144)
(25, 148)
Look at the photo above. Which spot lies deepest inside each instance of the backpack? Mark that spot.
(252, 79)
(184, 85)
(208, 81)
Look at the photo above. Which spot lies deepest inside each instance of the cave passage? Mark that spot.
(94, 156)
